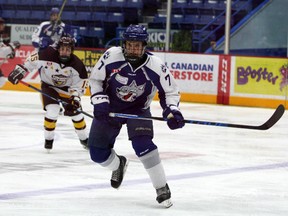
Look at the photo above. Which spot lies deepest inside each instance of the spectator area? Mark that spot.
(99, 19)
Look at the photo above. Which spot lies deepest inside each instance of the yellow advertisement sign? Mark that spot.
(89, 57)
(265, 76)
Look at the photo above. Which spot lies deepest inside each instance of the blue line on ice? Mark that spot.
(43, 192)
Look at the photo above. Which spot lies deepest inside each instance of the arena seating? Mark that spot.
(107, 15)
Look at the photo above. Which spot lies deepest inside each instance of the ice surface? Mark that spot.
(211, 170)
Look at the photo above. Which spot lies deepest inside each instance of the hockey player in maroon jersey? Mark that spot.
(63, 76)
(125, 80)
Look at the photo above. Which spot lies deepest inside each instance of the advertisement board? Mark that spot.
(221, 79)
(22, 33)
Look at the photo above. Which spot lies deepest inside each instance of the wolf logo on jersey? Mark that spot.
(131, 92)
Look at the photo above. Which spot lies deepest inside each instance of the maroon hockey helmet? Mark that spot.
(66, 41)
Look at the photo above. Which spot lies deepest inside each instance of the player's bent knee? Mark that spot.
(77, 117)
(99, 155)
(52, 111)
(143, 145)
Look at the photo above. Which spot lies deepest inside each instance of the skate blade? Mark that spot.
(48, 151)
(85, 147)
(167, 203)
(124, 172)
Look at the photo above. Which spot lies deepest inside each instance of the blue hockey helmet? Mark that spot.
(54, 10)
(136, 33)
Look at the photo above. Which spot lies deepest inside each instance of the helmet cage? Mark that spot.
(66, 41)
(135, 33)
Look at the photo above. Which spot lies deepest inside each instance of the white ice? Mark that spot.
(211, 170)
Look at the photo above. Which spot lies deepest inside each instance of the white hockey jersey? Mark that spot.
(5, 51)
(131, 90)
(63, 77)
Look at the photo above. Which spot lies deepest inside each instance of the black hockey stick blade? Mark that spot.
(268, 124)
(278, 113)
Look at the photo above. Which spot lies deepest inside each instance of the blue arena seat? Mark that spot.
(68, 17)
(95, 32)
(137, 4)
(9, 15)
(115, 17)
(159, 21)
(118, 4)
(38, 15)
(103, 3)
(87, 3)
(99, 16)
(178, 6)
(72, 4)
(176, 21)
(83, 15)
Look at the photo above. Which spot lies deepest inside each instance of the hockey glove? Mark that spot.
(174, 117)
(17, 74)
(101, 106)
(16, 44)
(45, 42)
(74, 105)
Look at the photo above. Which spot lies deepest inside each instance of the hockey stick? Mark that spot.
(58, 18)
(278, 113)
(61, 10)
(55, 99)
(268, 124)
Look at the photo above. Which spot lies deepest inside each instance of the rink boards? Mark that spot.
(213, 79)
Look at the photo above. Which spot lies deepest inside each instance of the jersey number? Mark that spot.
(102, 64)
(167, 77)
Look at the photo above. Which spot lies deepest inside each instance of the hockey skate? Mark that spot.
(48, 145)
(84, 143)
(117, 175)
(163, 196)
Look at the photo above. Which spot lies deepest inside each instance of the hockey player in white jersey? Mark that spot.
(63, 76)
(7, 51)
(125, 80)
(50, 31)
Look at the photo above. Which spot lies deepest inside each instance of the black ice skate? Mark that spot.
(117, 175)
(163, 196)
(84, 143)
(48, 144)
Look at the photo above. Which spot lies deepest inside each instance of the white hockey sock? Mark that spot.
(154, 168)
(112, 163)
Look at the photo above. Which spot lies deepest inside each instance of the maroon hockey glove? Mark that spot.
(17, 74)
(74, 105)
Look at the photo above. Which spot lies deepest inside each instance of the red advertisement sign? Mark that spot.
(224, 79)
